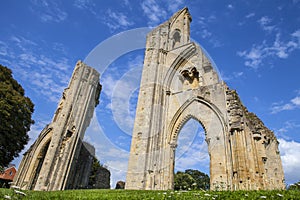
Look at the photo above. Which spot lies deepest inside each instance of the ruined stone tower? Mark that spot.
(179, 83)
(52, 160)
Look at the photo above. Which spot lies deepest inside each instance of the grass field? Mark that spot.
(132, 194)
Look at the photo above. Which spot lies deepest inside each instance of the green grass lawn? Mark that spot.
(133, 194)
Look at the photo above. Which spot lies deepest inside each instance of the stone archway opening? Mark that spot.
(192, 153)
(179, 83)
(207, 117)
(39, 163)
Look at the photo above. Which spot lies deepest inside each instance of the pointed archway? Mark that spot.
(209, 117)
(178, 83)
(191, 157)
(38, 164)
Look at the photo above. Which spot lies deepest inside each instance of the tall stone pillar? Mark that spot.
(179, 83)
(48, 162)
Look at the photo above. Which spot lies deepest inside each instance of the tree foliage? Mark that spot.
(295, 186)
(93, 174)
(99, 176)
(201, 178)
(183, 181)
(15, 117)
(192, 179)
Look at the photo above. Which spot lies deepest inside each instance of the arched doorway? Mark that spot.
(178, 83)
(210, 119)
(38, 164)
(191, 157)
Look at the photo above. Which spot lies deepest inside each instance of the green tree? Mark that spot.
(15, 117)
(183, 181)
(99, 177)
(202, 179)
(94, 172)
(191, 178)
(295, 186)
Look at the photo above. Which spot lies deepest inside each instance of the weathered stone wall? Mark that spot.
(49, 161)
(256, 159)
(180, 83)
(102, 179)
(80, 172)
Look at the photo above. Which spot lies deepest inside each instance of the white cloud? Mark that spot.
(121, 99)
(120, 88)
(83, 4)
(117, 20)
(291, 105)
(233, 76)
(157, 11)
(87, 5)
(108, 83)
(126, 2)
(22, 43)
(265, 23)
(296, 34)
(49, 78)
(175, 5)
(250, 15)
(230, 6)
(48, 11)
(46, 76)
(290, 151)
(278, 49)
(288, 106)
(253, 57)
(204, 27)
(121, 17)
(225, 77)
(296, 101)
(3, 49)
(288, 127)
(238, 74)
(205, 33)
(154, 12)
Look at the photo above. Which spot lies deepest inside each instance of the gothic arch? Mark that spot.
(181, 59)
(216, 137)
(183, 115)
(179, 83)
(30, 160)
(39, 160)
(176, 38)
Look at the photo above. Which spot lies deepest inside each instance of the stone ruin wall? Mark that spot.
(102, 179)
(178, 83)
(256, 157)
(51, 161)
(80, 173)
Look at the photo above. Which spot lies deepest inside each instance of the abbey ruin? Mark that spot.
(59, 159)
(179, 83)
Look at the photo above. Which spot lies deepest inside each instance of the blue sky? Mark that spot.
(254, 44)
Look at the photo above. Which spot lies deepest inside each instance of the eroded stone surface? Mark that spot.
(179, 83)
(52, 161)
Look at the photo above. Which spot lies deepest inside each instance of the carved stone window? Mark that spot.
(176, 38)
(189, 77)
